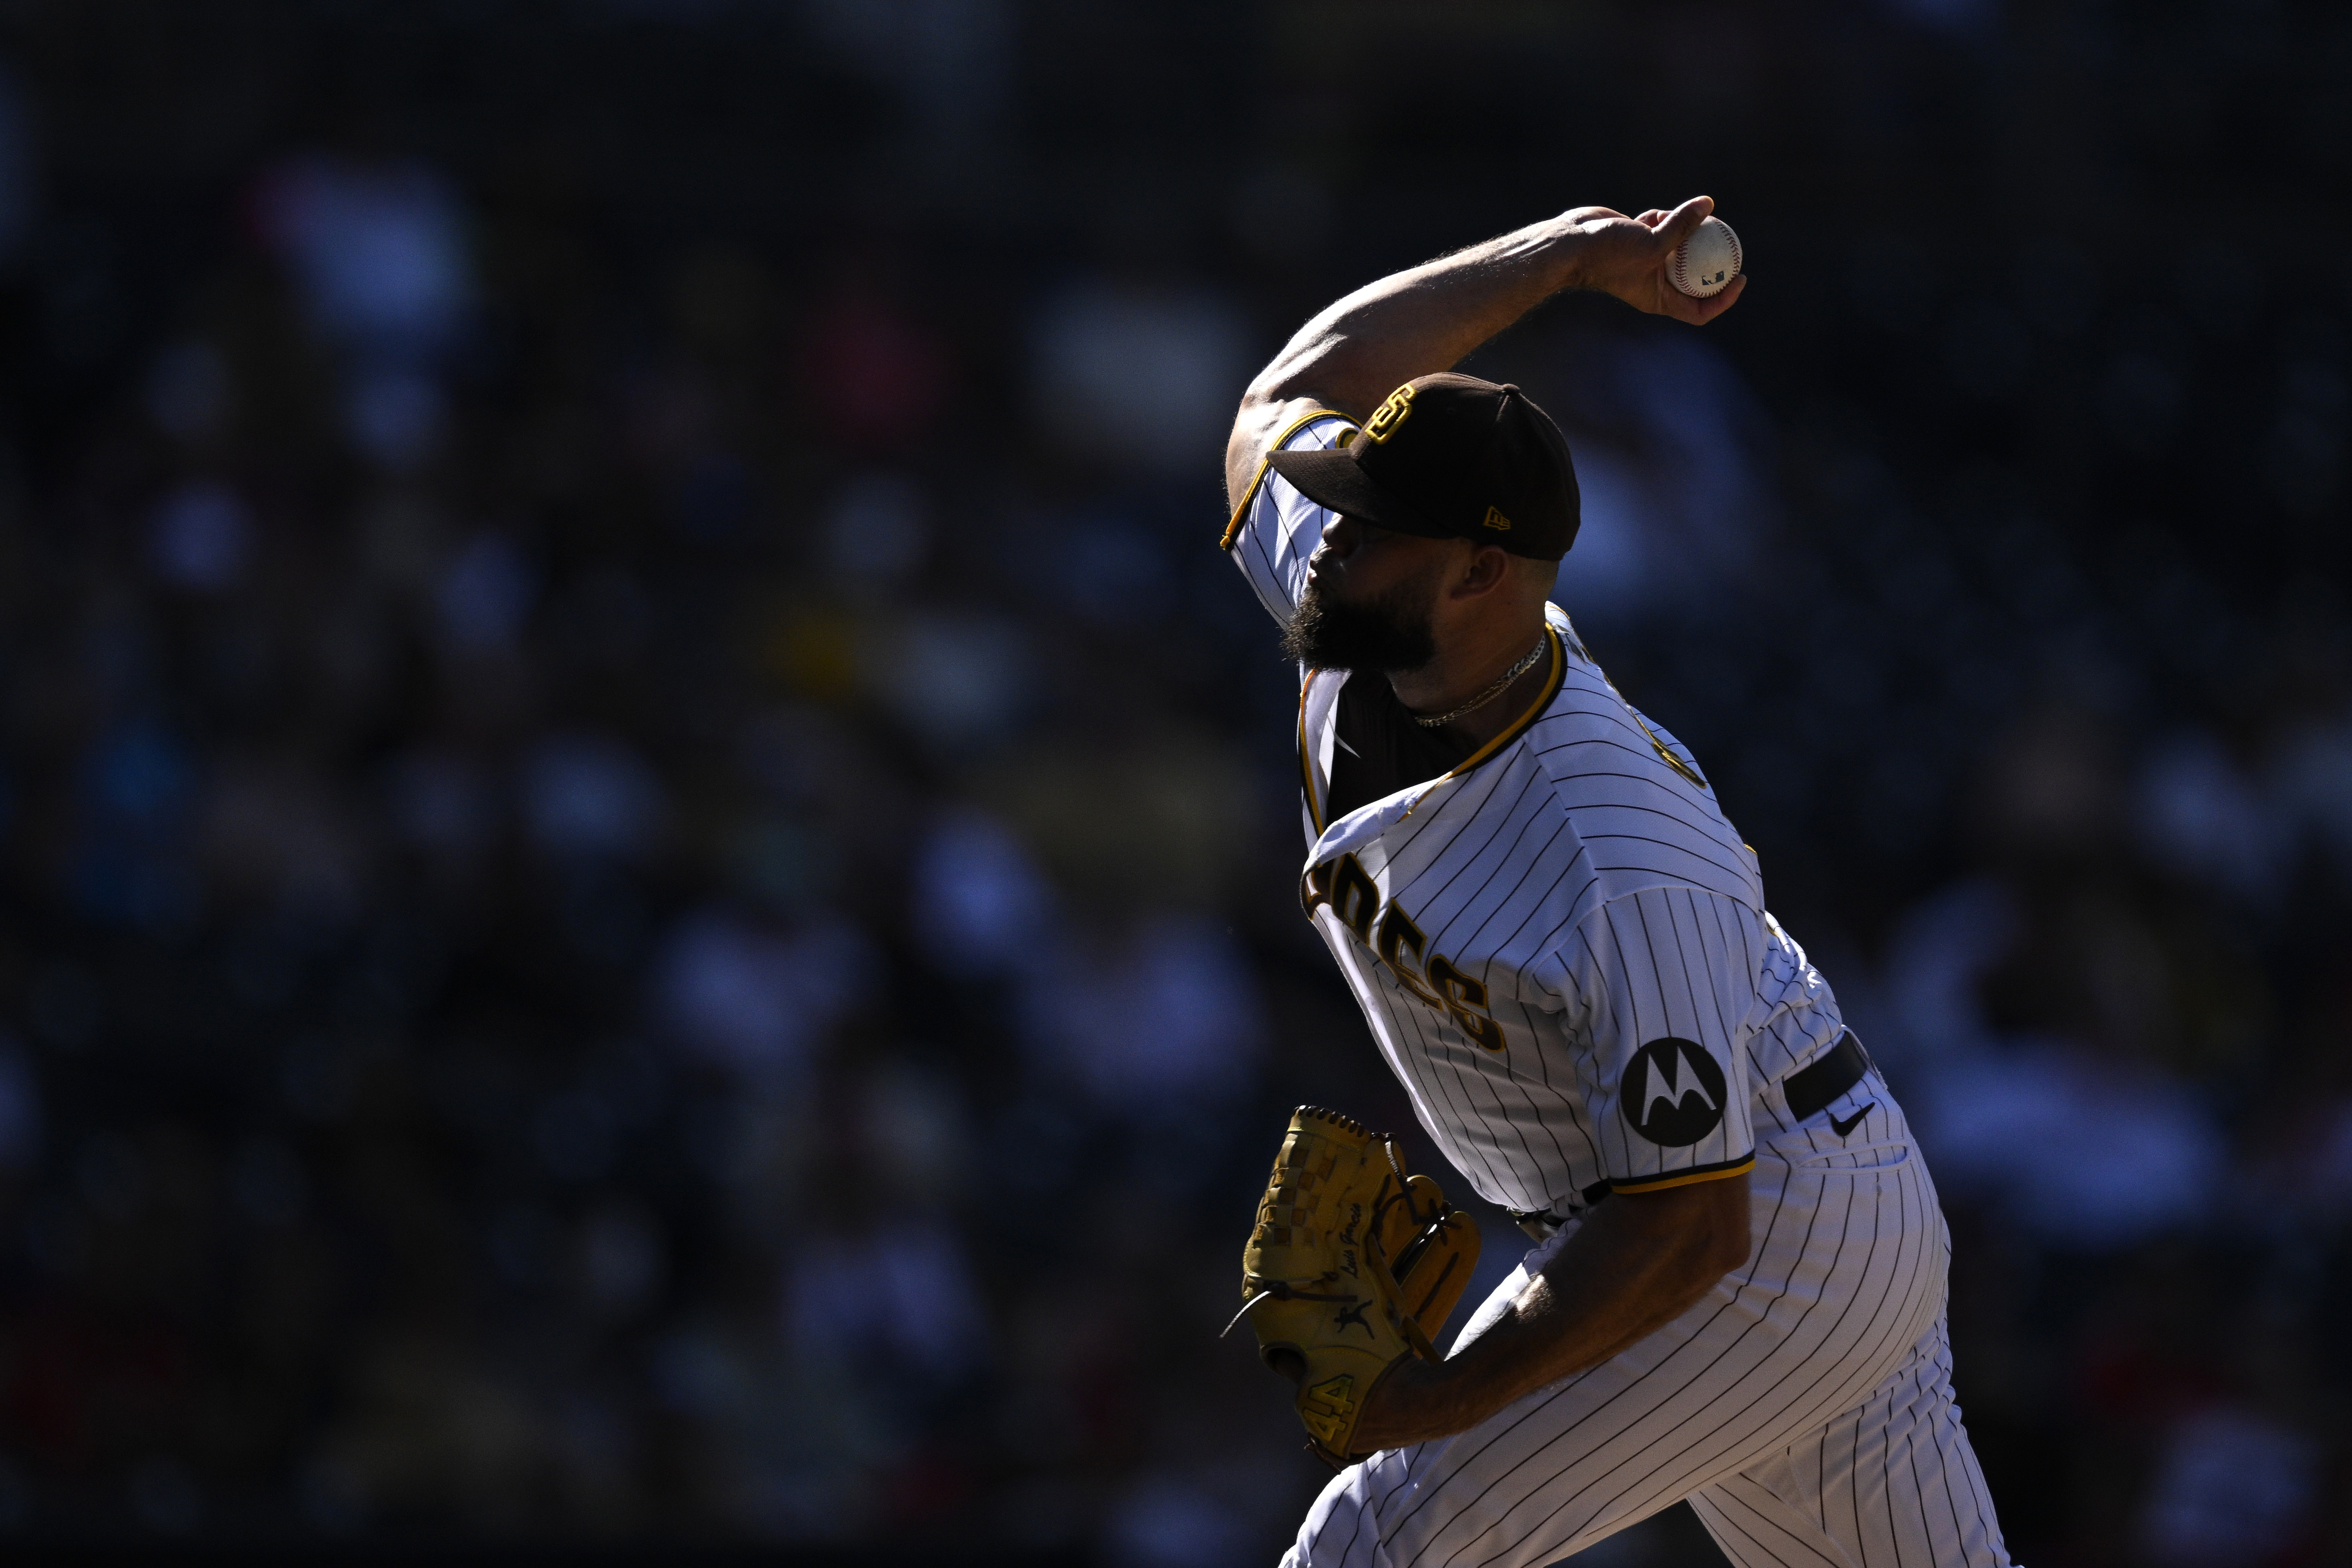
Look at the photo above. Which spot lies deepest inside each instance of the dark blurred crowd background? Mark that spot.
(649, 856)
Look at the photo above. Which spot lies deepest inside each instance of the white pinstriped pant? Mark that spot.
(1804, 1408)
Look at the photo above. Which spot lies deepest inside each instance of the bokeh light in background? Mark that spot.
(650, 857)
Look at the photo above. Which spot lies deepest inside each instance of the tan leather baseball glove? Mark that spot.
(1353, 1265)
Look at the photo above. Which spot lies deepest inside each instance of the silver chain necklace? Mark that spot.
(1491, 692)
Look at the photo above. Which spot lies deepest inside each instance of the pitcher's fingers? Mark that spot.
(1698, 312)
(1709, 308)
(1683, 221)
(1673, 301)
(1652, 219)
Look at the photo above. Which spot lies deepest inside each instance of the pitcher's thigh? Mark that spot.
(1565, 1467)
(1893, 1483)
(1399, 1508)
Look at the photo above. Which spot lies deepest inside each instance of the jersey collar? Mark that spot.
(1371, 819)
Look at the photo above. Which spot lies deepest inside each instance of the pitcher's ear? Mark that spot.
(1489, 567)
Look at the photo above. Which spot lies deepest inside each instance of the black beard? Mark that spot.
(1390, 633)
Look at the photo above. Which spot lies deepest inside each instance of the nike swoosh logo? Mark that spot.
(1851, 1122)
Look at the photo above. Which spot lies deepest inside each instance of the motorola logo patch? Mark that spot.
(1673, 1093)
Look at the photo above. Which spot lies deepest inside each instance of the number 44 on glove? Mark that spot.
(1353, 1265)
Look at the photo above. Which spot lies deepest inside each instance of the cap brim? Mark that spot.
(1336, 481)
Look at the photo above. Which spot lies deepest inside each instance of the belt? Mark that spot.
(1811, 1088)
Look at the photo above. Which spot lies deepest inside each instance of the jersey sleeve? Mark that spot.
(1661, 993)
(1275, 528)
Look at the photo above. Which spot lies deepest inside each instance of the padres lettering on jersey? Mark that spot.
(1561, 945)
(1435, 980)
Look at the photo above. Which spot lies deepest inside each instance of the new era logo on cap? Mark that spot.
(1451, 457)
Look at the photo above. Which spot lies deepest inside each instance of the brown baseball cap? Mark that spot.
(1451, 457)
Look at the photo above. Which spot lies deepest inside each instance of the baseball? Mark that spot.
(1707, 261)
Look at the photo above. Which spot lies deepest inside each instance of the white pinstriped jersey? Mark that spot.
(1562, 949)
(1561, 945)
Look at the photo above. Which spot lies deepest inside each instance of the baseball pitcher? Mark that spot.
(1562, 946)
